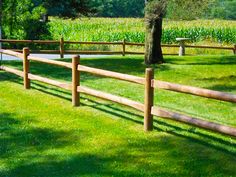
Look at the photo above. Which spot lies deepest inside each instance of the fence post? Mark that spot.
(234, 49)
(123, 47)
(26, 68)
(148, 102)
(62, 51)
(75, 81)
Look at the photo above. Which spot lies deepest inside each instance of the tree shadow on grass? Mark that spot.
(121, 65)
(223, 87)
(198, 60)
(166, 126)
(89, 164)
(231, 79)
(19, 140)
(170, 127)
(128, 159)
(18, 135)
(192, 133)
(16, 141)
(204, 150)
(8, 77)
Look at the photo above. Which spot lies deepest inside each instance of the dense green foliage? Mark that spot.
(68, 8)
(21, 20)
(118, 8)
(187, 9)
(133, 29)
(43, 135)
(177, 9)
(222, 9)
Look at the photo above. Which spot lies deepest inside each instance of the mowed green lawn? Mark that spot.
(41, 134)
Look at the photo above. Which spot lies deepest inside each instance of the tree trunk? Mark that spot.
(1, 22)
(153, 51)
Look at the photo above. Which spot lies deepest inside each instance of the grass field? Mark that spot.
(43, 135)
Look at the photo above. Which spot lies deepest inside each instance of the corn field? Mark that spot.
(133, 30)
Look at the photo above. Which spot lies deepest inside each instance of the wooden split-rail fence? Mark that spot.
(61, 49)
(150, 84)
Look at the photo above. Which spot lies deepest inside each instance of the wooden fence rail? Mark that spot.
(194, 91)
(62, 51)
(53, 62)
(112, 74)
(227, 130)
(148, 81)
(12, 53)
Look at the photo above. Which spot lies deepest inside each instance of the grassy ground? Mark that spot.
(42, 135)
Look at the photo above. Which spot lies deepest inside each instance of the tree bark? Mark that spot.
(1, 22)
(154, 12)
(153, 51)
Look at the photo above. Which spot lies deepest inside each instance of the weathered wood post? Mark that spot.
(182, 45)
(123, 47)
(75, 81)
(62, 50)
(148, 102)
(26, 68)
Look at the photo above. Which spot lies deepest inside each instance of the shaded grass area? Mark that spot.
(212, 72)
(42, 135)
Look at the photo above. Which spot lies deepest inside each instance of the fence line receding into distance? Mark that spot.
(148, 81)
(62, 51)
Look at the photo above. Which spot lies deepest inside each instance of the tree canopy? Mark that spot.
(223, 9)
(68, 8)
(176, 9)
(22, 19)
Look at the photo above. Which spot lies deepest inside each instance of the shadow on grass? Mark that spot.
(192, 133)
(125, 65)
(86, 164)
(16, 140)
(224, 88)
(198, 60)
(18, 136)
(231, 79)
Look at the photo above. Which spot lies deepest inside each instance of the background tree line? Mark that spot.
(176, 9)
(22, 19)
